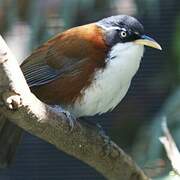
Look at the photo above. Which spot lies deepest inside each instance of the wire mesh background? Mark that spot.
(27, 23)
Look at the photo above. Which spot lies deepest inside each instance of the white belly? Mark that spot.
(111, 84)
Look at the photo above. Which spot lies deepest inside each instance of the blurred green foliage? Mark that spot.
(176, 47)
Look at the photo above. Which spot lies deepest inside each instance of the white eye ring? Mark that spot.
(123, 34)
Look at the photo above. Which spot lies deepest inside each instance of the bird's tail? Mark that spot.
(10, 136)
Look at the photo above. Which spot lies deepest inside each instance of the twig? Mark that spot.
(170, 147)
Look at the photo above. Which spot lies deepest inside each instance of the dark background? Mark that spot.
(135, 123)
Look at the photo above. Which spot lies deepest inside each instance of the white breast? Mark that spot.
(111, 84)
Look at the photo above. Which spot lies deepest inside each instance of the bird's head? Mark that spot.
(125, 30)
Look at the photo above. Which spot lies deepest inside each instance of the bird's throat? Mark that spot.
(110, 85)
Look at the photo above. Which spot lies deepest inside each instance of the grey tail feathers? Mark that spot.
(10, 136)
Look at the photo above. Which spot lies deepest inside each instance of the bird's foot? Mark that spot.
(106, 150)
(69, 117)
(107, 140)
(94, 124)
(107, 145)
(100, 128)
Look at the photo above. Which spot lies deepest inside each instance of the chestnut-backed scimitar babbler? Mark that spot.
(87, 70)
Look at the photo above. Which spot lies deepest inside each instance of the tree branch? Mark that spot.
(170, 147)
(84, 142)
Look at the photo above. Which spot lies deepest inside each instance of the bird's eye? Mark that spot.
(123, 34)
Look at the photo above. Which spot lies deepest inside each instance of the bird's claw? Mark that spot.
(71, 119)
(107, 141)
(102, 131)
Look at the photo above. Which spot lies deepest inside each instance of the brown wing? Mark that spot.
(62, 67)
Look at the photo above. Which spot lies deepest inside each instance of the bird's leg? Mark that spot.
(99, 126)
(90, 122)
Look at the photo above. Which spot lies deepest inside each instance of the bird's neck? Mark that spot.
(127, 55)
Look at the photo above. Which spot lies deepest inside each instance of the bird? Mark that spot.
(88, 69)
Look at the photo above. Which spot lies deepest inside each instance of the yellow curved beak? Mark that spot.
(147, 41)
